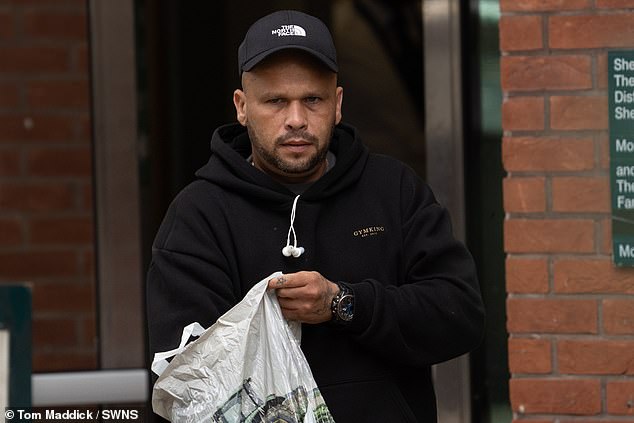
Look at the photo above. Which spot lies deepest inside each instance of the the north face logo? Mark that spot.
(286, 30)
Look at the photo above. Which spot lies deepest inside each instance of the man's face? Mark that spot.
(290, 104)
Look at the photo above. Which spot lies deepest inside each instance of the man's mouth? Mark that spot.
(296, 145)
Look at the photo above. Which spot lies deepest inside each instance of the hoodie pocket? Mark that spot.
(376, 401)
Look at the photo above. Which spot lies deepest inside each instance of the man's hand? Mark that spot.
(305, 296)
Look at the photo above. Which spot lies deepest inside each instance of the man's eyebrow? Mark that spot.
(276, 94)
(271, 94)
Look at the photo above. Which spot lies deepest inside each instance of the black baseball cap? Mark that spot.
(286, 29)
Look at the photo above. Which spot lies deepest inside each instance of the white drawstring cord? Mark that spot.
(292, 250)
(292, 228)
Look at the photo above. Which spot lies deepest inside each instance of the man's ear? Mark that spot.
(339, 103)
(240, 102)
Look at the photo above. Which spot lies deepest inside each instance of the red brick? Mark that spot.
(579, 112)
(595, 357)
(36, 128)
(524, 195)
(49, 4)
(519, 33)
(58, 94)
(86, 197)
(590, 276)
(7, 28)
(532, 315)
(34, 59)
(60, 162)
(530, 154)
(604, 155)
(88, 263)
(542, 5)
(620, 397)
(64, 297)
(581, 194)
(35, 197)
(11, 233)
(605, 236)
(67, 230)
(607, 4)
(526, 276)
(602, 71)
(523, 114)
(55, 25)
(554, 396)
(54, 332)
(37, 264)
(10, 163)
(618, 316)
(9, 96)
(82, 59)
(598, 420)
(591, 31)
(44, 65)
(88, 334)
(536, 73)
(66, 359)
(85, 128)
(530, 356)
(549, 236)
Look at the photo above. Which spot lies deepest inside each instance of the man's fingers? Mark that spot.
(290, 280)
(303, 296)
(285, 281)
(277, 282)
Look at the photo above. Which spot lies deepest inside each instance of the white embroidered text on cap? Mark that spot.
(286, 30)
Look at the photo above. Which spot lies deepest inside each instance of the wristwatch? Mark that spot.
(343, 304)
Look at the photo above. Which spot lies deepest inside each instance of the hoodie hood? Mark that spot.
(228, 166)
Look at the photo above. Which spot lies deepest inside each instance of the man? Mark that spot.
(368, 259)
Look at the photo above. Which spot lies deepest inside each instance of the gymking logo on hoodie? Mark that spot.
(370, 231)
(287, 30)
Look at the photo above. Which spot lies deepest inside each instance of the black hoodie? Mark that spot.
(370, 222)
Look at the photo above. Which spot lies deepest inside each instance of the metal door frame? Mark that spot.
(116, 184)
(445, 167)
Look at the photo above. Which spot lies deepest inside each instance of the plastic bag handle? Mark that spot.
(160, 359)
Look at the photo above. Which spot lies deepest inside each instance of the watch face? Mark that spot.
(345, 308)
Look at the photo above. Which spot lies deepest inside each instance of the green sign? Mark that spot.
(621, 111)
(15, 318)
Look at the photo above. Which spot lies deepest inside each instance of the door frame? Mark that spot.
(445, 168)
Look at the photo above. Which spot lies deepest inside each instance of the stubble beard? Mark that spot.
(291, 167)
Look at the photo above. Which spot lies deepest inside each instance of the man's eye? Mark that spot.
(312, 100)
(274, 101)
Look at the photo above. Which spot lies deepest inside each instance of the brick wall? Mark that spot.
(570, 311)
(46, 227)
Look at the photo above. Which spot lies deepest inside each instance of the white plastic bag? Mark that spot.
(247, 367)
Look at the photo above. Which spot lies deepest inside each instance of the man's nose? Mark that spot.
(296, 116)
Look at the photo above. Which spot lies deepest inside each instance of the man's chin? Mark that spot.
(294, 170)
(291, 170)
(297, 165)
